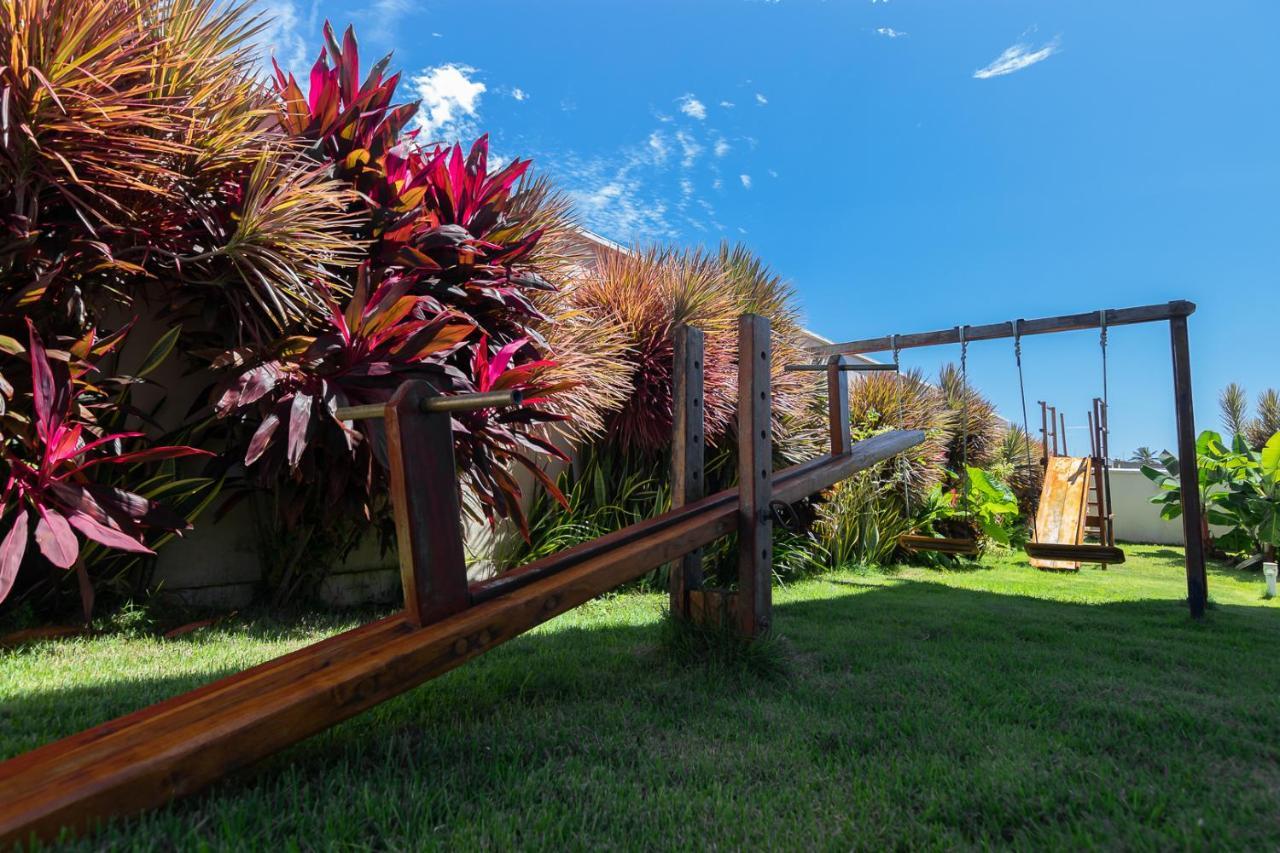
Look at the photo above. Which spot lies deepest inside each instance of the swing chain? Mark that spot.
(1022, 389)
(903, 471)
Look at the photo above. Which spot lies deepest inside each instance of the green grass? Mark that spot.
(995, 705)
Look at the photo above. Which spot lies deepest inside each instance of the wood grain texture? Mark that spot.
(686, 453)
(426, 506)
(838, 422)
(1060, 519)
(995, 331)
(179, 746)
(755, 477)
(1192, 531)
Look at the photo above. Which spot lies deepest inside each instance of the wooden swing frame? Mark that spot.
(183, 744)
(1175, 314)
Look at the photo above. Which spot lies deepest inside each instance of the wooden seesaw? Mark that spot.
(181, 745)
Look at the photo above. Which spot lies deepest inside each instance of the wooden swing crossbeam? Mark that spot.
(1178, 309)
(183, 744)
(1175, 313)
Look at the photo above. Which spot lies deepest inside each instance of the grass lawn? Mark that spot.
(917, 707)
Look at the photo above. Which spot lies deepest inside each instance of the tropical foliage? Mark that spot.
(1233, 404)
(297, 243)
(1239, 489)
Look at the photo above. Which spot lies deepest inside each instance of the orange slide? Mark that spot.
(1064, 502)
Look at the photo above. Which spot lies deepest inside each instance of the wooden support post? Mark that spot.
(838, 404)
(1062, 423)
(686, 455)
(755, 477)
(1189, 475)
(1044, 434)
(424, 499)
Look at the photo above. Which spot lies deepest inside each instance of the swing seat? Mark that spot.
(959, 547)
(1103, 554)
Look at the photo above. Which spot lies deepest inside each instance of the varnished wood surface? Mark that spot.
(994, 331)
(755, 477)
(179, 746)
(686, 453)
(1060, 519)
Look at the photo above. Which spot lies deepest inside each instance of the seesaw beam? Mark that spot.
(181, 745)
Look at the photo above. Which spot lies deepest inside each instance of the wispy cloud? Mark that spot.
(689, 148)
(282, 36)
(1016, 58)
(746, 181)
(519, 94)
(890, 32)
(761, 99)
(692, 107)
(721, 148)
(728, 105)
(450, 101)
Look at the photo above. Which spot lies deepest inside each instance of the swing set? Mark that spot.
(1067, 511)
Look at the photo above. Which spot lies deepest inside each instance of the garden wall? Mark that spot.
(1137, 519)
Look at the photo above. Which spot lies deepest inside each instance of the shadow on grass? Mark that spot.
(955, 710)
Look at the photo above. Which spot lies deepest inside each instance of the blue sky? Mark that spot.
(908, 164)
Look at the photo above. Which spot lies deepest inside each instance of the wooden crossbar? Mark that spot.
(181, 745)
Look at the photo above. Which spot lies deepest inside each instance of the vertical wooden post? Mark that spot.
(686, 454)
(424, 499)
(755, 477)
(1189, 474)
(838, 405)
(1062, 424)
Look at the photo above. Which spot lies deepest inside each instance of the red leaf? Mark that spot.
(56, 541)
(110, 536)
(261, 438)
(299, 426)
(43, 388)
(12, 550)
(151, 454)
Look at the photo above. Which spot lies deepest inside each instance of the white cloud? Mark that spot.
(717, 184)
(746, 181)
(450, 99)
(728, 105)
(773, 173)
(686, 186)
(761, 99)
(692, 107)
(519, 94)
(658, 145)
(689, 147)
(282, 37)
(1016, 58)
(721, 148)
(890, 32)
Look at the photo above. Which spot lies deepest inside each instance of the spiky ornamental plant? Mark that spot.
(1266, 420)
(1018, 464)
(800, 428)
(138, 171)
(50, 493)
(446, 270)
(975, 417)
(648, 293)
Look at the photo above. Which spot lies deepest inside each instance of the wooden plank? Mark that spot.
(838, 422)
(686, 454)
(994, 331)
(1060, 518)
(1193, 533)
(426, 506)
(180, 745)
(755, 477)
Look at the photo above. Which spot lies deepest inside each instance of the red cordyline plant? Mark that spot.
(50, 490)
(443, 295)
